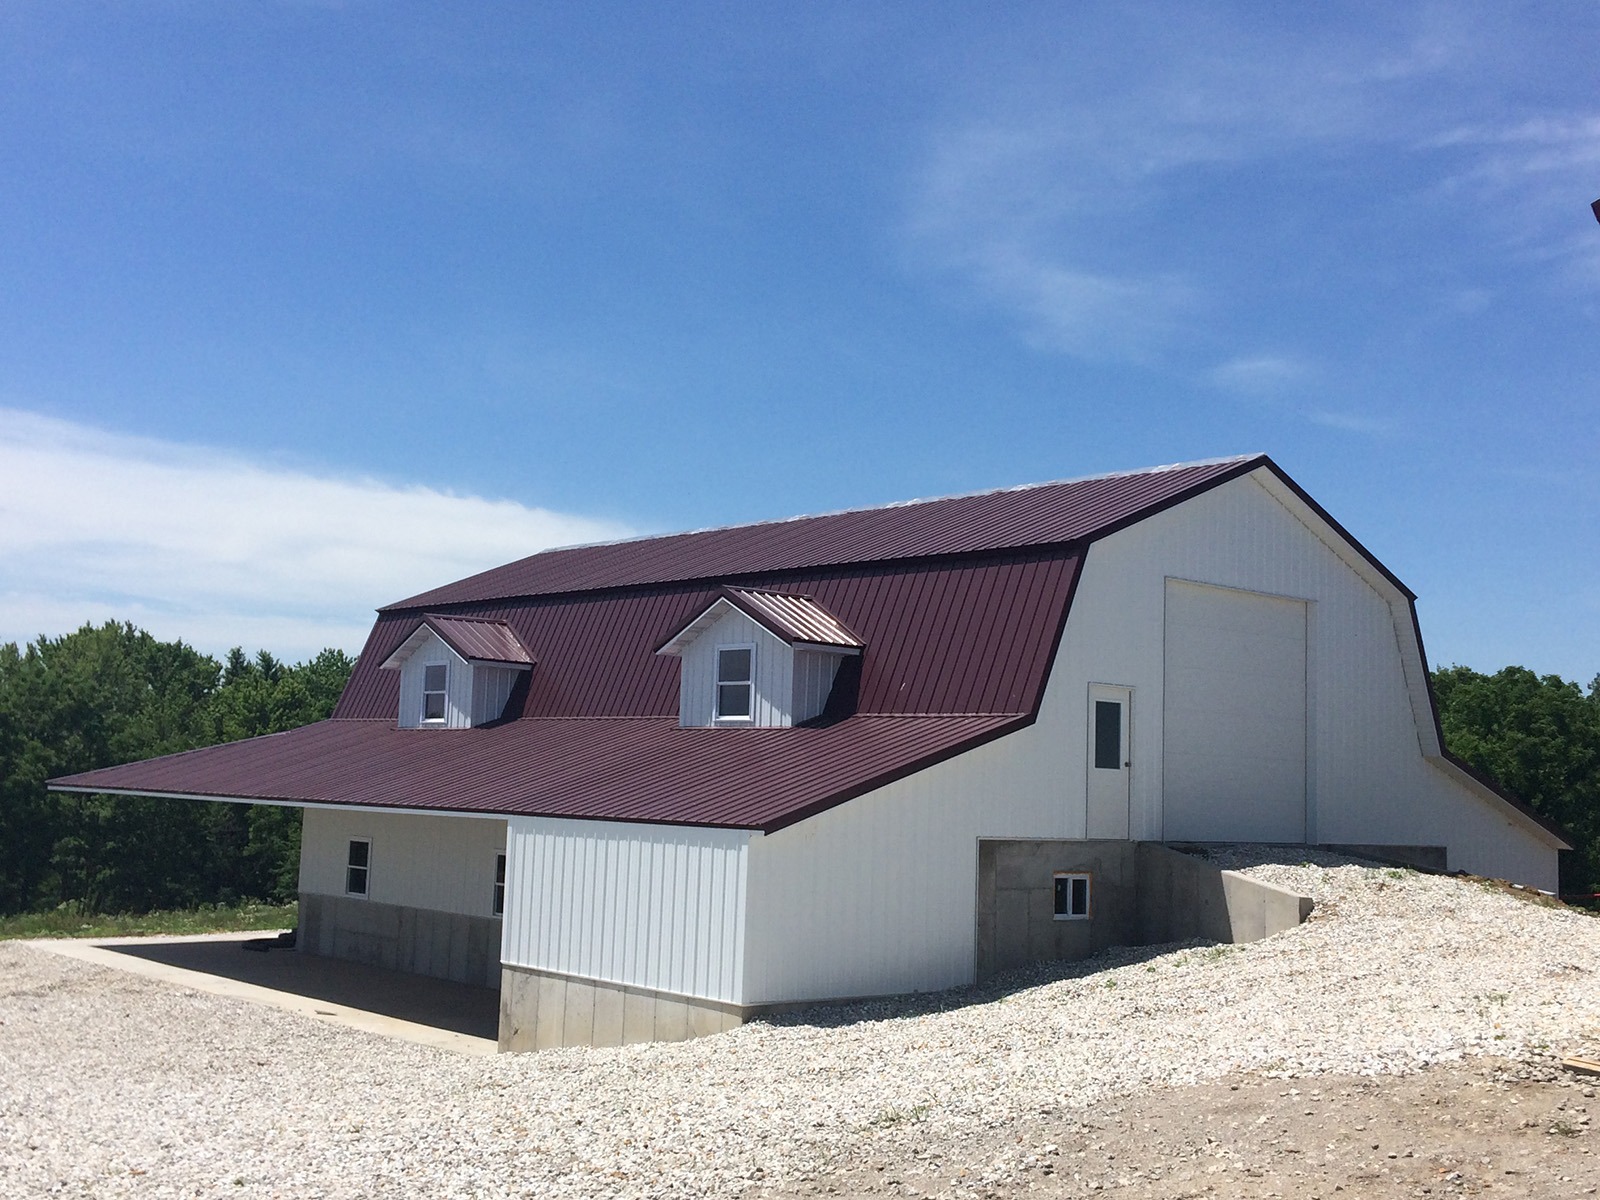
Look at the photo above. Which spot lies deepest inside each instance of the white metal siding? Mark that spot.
(491, 688)
(441, 863)
(1234, 758)
(774, 672)
(813, 680)
(458, 695)
(653, 906)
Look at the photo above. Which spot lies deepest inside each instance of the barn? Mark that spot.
(653, 788)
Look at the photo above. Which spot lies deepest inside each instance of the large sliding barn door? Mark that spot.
(1234, 753)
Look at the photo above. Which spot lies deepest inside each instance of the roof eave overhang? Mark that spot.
(275, 801)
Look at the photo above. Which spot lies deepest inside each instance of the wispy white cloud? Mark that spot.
(1533, 179)
(1048, 192)
(1286, 383)
(1259, 375)
(1349, 422)
(220, 549)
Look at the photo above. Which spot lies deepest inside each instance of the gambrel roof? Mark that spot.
(960, 604)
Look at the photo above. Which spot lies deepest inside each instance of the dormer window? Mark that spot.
(735, 682)
(757, 658)
(435, 678)
(457, 672)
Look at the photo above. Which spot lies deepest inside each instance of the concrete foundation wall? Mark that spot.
(1142, 894)
(1016, 901)
(540, 1010)
(419, 940)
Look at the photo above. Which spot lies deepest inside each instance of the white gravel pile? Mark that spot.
(113, 1085)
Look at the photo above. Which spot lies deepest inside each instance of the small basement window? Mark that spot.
(434, 679)
(357, 866)
(498, 904)
(735, 682)
(1072, 896)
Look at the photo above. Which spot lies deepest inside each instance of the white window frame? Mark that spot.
(1088, 894)
(366, 871)
(717, 685)
(497, 899)
(443, 694)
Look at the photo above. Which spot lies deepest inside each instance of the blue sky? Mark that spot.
(307, 306)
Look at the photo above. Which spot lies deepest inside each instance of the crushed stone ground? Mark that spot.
(1401, 988)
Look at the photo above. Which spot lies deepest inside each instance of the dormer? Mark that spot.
(758, 658)
(457, 672)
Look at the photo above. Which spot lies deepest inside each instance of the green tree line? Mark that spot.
(1539, 737)
(111, 694)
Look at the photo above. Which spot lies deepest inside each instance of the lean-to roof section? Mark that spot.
(1043, 514)
(639, 769)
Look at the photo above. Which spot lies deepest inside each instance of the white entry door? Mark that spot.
(1109, 759)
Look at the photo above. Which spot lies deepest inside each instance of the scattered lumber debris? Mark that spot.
(1584, 1066)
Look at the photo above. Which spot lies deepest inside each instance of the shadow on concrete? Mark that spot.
(457, 1007)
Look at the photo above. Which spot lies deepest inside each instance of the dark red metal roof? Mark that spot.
(968, 636)
(638, 769)
(1044, 514)
(958, 653)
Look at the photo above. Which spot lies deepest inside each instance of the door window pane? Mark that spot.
(1108, 735)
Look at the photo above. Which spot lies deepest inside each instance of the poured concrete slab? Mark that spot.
(414, 1008)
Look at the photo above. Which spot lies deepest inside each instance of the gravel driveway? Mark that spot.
(113, 1085)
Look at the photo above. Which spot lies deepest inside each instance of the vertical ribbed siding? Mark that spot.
(649, 906)
(491, 687)
(813, 679)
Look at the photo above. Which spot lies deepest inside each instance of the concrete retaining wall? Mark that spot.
(541, 1009)
(1182, 897)
(1143, 893)
(420, 940)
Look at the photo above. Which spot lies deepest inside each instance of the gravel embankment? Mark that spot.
(113, 1085)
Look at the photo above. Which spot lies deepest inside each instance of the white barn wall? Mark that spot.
(1367, 778)
(440, 863)
(878, 895)
(651, 906)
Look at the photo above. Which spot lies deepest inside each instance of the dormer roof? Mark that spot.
(478, 640)
(791, 617)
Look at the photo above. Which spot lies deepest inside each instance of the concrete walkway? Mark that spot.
(414, 1008)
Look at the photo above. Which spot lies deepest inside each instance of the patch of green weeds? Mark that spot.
(74, 921)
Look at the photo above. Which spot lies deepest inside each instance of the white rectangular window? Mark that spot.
(435, 678)
(498, 906)
(358, 865)
(735, 682)
(1072, 896)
